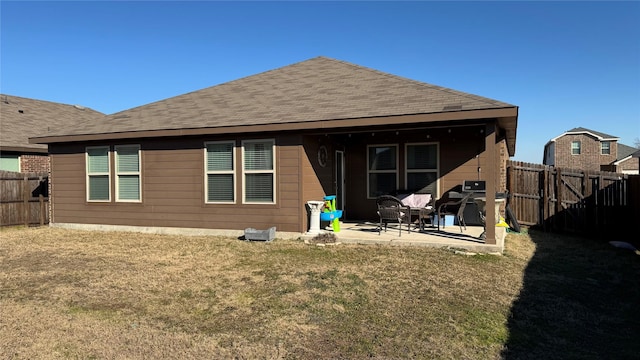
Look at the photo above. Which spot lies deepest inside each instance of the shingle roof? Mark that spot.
(625, 151)
(601, 135)
(22, 118)
(313, 90)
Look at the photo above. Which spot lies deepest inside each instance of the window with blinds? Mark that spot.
(128, 185)
(383, 170)
(258, 168)
(575, 148)
(422, 168)
(220, 178)
(98, 174)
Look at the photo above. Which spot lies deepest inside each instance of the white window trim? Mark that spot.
(579, 147)
(602, 148)
(129, 173)
(208, 172)
(88, 175)
(413, 171)
(369, 171)
(272, 171)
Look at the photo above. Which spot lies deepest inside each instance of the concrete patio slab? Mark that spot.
(448, 237)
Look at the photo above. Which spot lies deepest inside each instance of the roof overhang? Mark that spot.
(506, 119)
(510, 126)
(25, 149)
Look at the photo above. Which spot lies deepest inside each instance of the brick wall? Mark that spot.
(502, 163)
(589, 158)
(34, 163)
(628, 165)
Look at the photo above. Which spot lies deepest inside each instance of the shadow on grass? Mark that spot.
(579, 300)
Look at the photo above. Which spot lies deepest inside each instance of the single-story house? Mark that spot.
(253, 151)
(22, 118)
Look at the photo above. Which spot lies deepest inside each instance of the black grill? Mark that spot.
(471, 213)
(474, 186)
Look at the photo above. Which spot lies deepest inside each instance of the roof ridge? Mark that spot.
(594, 132)
(334, 60)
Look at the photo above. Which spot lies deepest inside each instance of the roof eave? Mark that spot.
(25, 149)
(620, 161)
(507, 118)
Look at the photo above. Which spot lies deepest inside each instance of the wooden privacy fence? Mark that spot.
(24, 198)
(586, 202)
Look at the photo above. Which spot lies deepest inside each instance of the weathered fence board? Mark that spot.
(523, 186)
(24, 198)
(572, 200)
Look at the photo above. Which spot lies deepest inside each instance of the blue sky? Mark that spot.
(565, 64)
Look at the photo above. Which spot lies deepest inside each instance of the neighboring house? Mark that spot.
(22, 118)
(252, 152)
(586, 149)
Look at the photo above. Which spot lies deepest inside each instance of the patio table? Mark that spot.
(418, 205)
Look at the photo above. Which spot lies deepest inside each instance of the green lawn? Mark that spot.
(95, 295)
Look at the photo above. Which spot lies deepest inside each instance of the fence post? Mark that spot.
(593, 203)
(25, 200)
(559, 189)
(583, 218)
(41, 200)
(544, 193)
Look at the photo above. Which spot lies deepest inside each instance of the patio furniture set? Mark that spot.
(404, 208)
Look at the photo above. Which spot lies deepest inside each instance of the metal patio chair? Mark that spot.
(453, 204)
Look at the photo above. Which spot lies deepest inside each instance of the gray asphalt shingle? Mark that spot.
(22, 118)
(309, 91)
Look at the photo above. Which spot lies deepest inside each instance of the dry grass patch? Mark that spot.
(74, 294)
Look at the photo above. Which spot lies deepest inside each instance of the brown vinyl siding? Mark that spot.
(317, 180)
(172, 175)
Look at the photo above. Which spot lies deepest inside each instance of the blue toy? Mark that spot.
(329, 212)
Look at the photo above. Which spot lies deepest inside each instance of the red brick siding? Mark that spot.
(501, 183)
(34, 163)
(629, 164)
(589, 158)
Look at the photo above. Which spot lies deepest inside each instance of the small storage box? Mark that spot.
(445, 221)
(260, 235)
